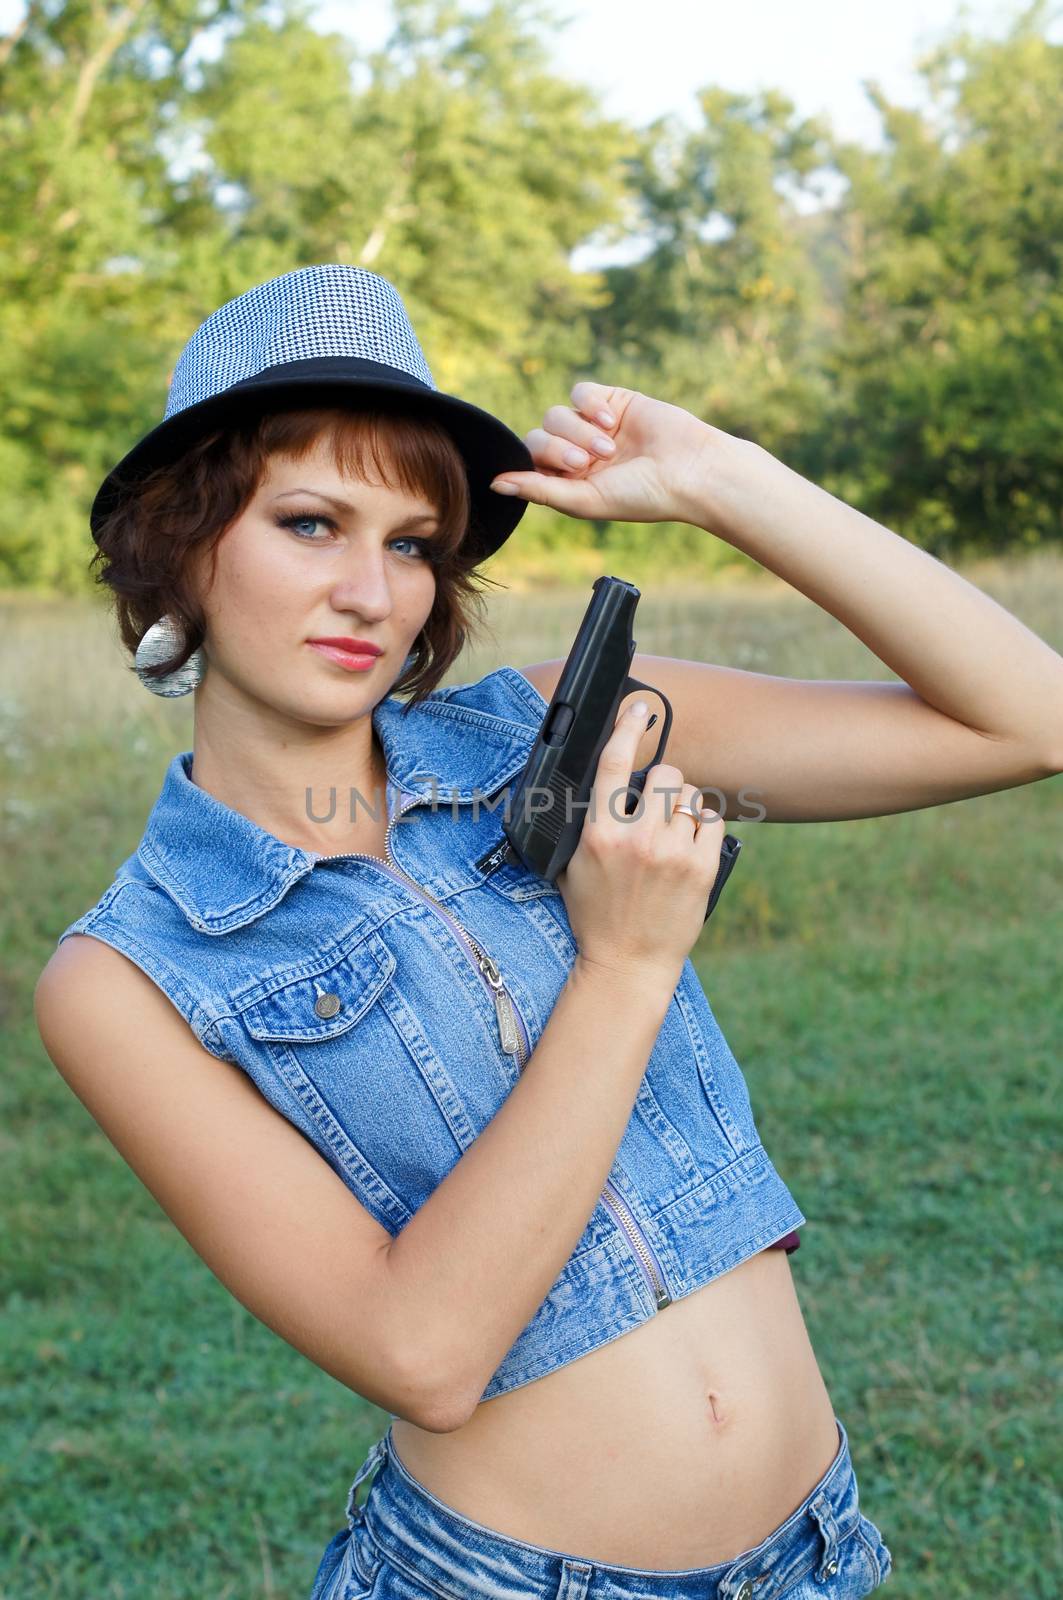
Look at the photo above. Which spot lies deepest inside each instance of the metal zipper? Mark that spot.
(505, 1011)
(644, 1253)
(514, 1038)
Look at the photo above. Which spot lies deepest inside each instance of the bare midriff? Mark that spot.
(679, 1444)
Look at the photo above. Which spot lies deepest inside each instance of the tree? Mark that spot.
(88, 259)
(948, 375)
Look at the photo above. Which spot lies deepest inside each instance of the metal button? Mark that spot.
(831, 1568)
(326, 1005)
(745, 1591)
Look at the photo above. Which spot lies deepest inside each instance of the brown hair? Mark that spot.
(180, 510)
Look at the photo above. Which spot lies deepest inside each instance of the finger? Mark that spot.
(664, 790)
(564, 424)
(687, 796)
(708, 842)
(599, 401)
(615, 766)
(570, 445)
(576, 497)
(710, 801)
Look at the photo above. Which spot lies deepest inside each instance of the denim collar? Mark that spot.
(222, 870)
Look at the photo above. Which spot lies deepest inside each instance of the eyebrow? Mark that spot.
(345, 505)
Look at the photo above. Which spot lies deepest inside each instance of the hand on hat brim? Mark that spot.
(655, 446)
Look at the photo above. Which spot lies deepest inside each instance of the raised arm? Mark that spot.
(981, 704)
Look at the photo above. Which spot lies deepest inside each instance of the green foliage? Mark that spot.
(725, 313)
(948, 408)
(902, 345)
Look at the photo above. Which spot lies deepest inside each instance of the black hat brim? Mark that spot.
(486, 445)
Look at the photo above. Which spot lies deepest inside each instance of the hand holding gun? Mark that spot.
(548, 808)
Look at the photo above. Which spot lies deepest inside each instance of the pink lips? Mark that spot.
(357, 647)
(346, 653)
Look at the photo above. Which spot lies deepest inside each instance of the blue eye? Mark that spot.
(294, 518)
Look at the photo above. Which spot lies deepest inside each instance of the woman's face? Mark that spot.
(297, 565)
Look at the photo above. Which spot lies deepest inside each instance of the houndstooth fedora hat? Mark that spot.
(318, 335)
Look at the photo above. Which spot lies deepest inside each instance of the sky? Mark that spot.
(816, 51)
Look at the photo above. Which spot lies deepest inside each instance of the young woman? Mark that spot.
(471, 1141)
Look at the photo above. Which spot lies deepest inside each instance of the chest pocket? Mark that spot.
(389, 1057)
(326, 1004)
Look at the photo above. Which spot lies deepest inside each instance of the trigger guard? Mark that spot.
(641, 772)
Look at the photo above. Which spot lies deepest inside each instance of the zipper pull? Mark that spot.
(508, 1034)
(507, 1023)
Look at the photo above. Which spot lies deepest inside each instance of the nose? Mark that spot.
(365, 588)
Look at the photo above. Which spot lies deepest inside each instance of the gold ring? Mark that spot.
(689, 812)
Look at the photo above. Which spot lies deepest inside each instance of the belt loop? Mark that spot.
(575, 1576)
(823, 1512)
(354, 1511)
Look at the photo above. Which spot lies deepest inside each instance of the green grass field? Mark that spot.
(893, 988)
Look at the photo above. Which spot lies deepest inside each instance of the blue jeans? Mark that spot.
(405, 1544)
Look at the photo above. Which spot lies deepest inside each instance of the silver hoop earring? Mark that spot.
(159, 643)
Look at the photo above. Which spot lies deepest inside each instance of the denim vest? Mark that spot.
(388, 1008)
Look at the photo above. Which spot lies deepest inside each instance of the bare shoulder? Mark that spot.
(136, 1064)
(88, 983)
(85, 959)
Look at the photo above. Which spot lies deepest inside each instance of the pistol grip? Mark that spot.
(728, 856)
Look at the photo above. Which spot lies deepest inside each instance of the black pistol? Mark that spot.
(544, 817)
